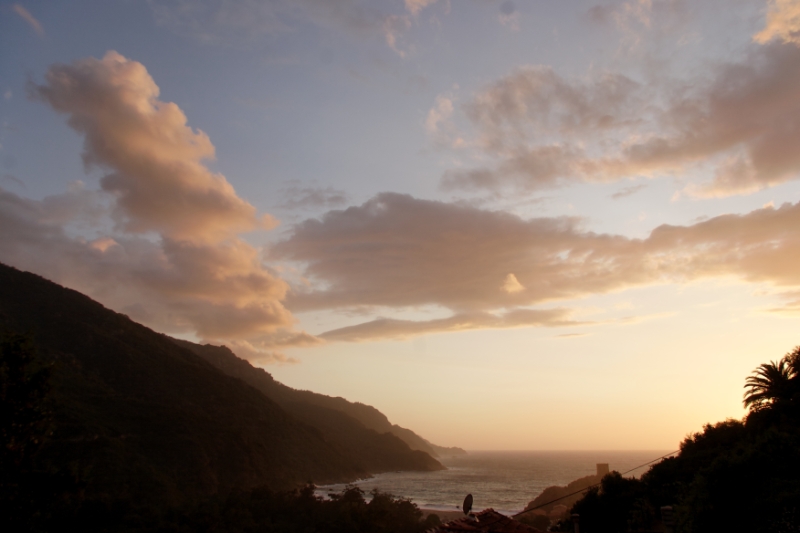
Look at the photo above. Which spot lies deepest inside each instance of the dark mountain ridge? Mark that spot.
(139, 418)
(289, 398)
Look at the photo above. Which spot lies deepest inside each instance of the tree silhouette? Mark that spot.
(24, 423)
(771, 383)
(793, 360)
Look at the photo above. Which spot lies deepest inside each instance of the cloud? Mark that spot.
(395, 26)
(439, 124)
(243, 22)
(535, 100)
(636, 20)
(571, 335)
(438, 114)
(218, 291)
(247, 351)
(159, 241)
(740, 126)
(783, 22)
(30, 19)
(13, 179)
(509, 16)
(512, 284)
(156, 160)
(386, 328)
(415, 6)
(790, 306)
(312, 197)
(628, 191)
(746, 120)
(396, 250)
(401, 253)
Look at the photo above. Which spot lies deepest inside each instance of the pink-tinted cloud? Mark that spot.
(739, 126)
(394, 26)
(415, 6)
(217, 292)
(399, 252)
(783, 22)
(159, 241)
(155, 160)
(30, 19)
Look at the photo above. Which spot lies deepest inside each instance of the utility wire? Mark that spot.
(591, 486)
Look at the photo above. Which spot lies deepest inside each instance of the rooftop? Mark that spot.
(489, 521)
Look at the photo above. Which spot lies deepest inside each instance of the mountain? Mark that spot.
(302, 403)
(138, 418)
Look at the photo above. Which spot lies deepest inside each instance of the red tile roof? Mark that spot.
(488, 521)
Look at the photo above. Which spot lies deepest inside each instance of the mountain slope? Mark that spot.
(289, 398)
(141, 418)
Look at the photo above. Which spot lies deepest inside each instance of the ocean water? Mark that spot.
(505, 481)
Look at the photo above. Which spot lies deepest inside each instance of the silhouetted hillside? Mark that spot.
(373, 451)
(552, 496)
(138, 418)
(368, 416)
(732, 476)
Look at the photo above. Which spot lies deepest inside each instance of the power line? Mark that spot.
(591, 486)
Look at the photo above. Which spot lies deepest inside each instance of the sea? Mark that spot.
(505, 481)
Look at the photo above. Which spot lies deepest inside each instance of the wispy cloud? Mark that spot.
(415, 6)
(394, 26)
(636, 20)
(387, 328)
(628, 191)
(541, 130)
(509, 15)
(30, 19)
(13, 179)
(245, 22)
(295, 197)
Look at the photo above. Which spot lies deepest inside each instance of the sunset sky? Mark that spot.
(505, 224)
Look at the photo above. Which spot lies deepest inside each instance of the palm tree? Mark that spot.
(771, 383)
(793, 359)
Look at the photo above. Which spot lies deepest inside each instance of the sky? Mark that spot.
(507, 225)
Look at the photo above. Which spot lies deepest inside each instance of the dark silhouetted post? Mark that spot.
(576, 519)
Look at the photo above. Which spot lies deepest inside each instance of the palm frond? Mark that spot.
(770, 383)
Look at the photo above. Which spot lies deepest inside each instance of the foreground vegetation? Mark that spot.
(732, 476)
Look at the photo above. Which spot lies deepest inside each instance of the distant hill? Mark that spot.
(558, 495)
(139, 418)
(313, 408)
